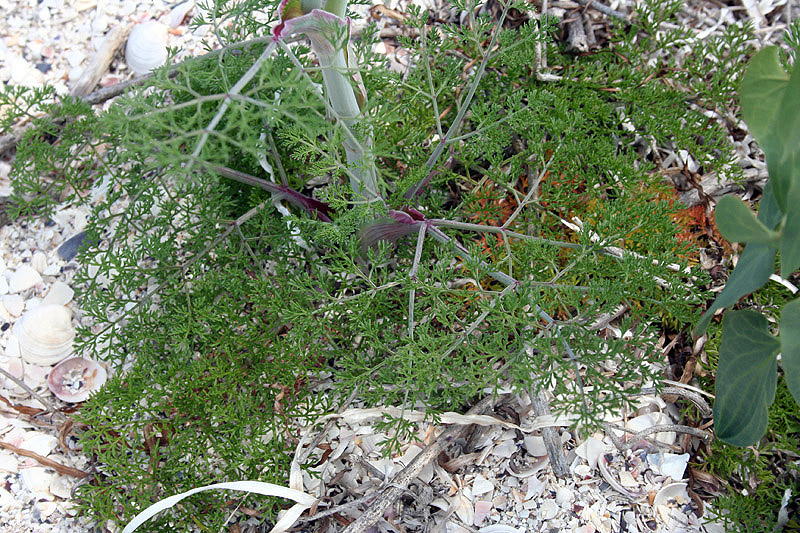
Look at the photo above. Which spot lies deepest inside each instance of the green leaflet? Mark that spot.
(762, 88)
(738, 224)
(746, 378)
(790, 346)
(754, 268)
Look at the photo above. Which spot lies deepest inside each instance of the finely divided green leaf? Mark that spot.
(762, 88)
(746, 378)
(738, 224)
(790, 346)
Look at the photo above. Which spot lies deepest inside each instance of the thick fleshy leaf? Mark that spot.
(746, 378)
(738, 224)
(790, 241)
(790, 346)
(755, 266)
(762, 89)
(782, 144)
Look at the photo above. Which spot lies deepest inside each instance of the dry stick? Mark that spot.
(399, 483)
(47, 405)
(637, 435)
(99, 64)
(696, 399)
(604, 9)
(550, 435)
(58, 467)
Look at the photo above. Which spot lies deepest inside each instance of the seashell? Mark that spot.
(178, 13)
(481, 485)
(499, 528)
(482, 509)
(75, 379)
(591, 449)
(548, 509)
(14, 304)
(669, 464)
(39, 443)
(147, 47)
(8, 463)
(37, 480)
(534, 445)
(23, 279)
(45, 334)
(39, 262)
(59, 294)
(674, 493)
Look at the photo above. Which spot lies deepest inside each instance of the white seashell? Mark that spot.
(46, 508)
(505, 449)
(45, 334)
(534, 444)
(59, 294)
(38, 442)
(564, 497)
(8, 463)
(674, 493)
(178, 13)
(23, 279)
(668, 464)
(61, 486)
(481, 485)
(464, 509)
(3, 285)
(37, 480)
(14, 304)
(591, 449)
(499, 528)
(548, 509)
(39, 262)
(147, 47)
(75, 379)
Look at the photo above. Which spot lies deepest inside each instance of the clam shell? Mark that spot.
(672, 493)
(45, 334)
(75, 379)
(147, 47)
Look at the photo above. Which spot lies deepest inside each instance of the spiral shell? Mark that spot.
(45, 334)
(147, 47)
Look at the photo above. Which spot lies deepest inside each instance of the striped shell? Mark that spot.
(45, 334)
(147, 47)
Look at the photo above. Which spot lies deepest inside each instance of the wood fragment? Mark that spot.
(102, 59)
(551, 437)
(577, 41)
(58, 467)
(602, 8)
